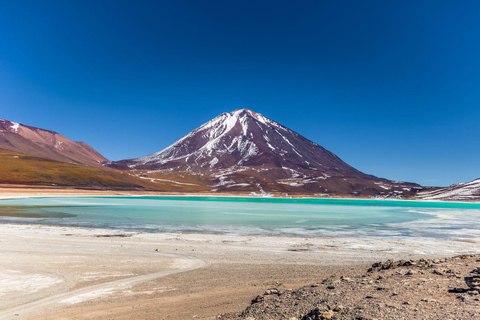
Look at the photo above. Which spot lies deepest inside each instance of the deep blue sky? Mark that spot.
(391, 87)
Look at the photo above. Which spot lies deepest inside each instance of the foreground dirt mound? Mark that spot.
(414, 289)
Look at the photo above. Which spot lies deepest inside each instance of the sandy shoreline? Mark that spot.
(39, 262)
(54, 272)
(27, 191)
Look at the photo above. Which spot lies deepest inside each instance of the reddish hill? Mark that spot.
(46, 144)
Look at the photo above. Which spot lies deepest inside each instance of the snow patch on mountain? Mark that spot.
(15, 126)
(220, 139)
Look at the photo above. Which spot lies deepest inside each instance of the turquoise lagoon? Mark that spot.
(251, 216)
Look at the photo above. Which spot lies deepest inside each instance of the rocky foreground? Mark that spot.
(415, 289)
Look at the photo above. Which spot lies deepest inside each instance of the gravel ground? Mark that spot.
(404, 289)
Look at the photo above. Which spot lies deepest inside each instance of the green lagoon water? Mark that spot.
(251, 216)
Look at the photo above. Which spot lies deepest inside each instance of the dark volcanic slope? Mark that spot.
(46, 144)
(245, 151)
(242, 138)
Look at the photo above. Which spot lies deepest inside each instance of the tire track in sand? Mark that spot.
(29, 309)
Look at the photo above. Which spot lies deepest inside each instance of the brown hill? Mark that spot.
(24, 169)
(46, 144)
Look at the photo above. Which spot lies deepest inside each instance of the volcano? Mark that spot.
(246, 151)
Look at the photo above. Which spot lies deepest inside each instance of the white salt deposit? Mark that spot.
(15, 281)
(88, 296)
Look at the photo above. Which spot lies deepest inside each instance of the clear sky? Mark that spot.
(391, 87)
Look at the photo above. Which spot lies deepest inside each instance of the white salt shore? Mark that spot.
(53, 272)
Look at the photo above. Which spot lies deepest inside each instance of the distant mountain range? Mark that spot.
(459, 191)
(245, 151)
(241, 151)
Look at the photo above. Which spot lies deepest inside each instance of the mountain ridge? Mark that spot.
(246, 151)
(236, 122)
(47, 144)
(468, 191)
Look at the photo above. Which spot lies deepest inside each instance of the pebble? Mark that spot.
(421, 282)
(271, 291)
(338, 309)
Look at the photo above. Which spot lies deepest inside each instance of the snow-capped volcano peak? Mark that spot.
(227, 121)
(242, 138)
(226, 134)
(242, 113)
(244, 150)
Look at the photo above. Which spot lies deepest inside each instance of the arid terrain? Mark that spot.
(239, 160)
(75, 273)
(405, 289)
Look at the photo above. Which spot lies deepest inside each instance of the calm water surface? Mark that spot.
(252, 216)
